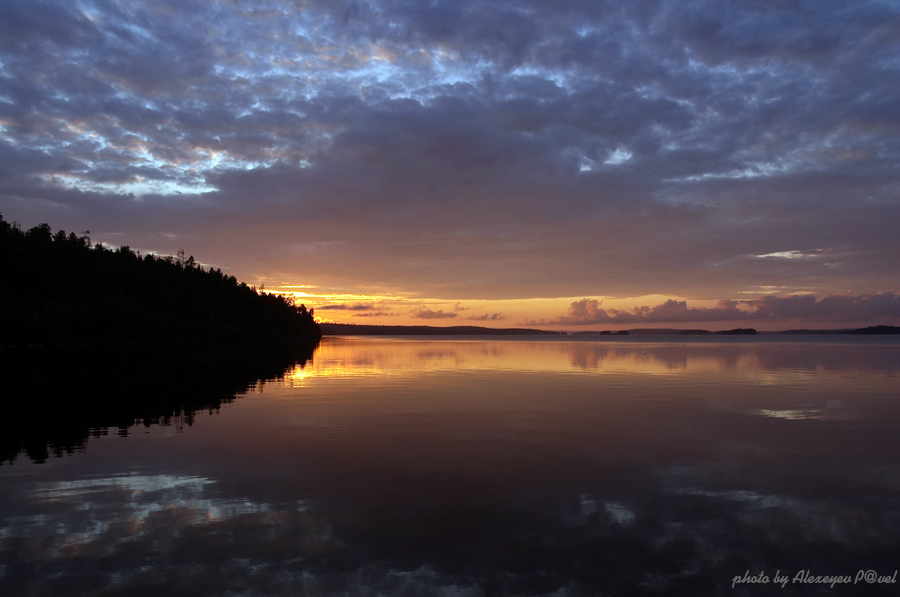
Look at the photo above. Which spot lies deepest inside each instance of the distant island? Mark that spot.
(877, 329)
(59, 289)
(350, 329)
(666, 331)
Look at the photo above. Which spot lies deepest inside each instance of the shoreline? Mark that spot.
(350, 329)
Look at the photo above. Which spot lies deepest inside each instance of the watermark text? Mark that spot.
(808, 577)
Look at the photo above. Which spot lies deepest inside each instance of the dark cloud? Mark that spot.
(425, 313)
(882, 306)
(467, 149)
(359, 309)
(350, 307)
(487, 317)
(835, 309)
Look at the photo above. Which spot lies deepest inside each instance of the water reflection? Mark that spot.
(357, 357)
(63, 397)
(501, 467)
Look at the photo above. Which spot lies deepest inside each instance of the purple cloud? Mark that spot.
(349, 307)
(458, 150)
(487, 317)
(425, 313)
(879, 307)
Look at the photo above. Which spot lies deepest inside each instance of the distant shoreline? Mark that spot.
(350, 329)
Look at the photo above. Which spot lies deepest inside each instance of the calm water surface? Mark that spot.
(488, 467)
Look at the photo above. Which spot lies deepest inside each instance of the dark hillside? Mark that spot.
(352, 329)
(60, 290)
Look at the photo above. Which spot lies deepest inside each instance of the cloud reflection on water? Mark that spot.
(377, 357)
(409, 466)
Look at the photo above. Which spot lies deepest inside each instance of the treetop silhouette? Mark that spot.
(60, 289)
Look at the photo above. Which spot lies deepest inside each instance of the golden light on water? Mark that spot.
(381, 358)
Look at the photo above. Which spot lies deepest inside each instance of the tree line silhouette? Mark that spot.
(59, 289)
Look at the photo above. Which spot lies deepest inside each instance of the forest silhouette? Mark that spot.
(58, 289)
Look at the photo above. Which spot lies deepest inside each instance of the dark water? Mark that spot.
(488, 467)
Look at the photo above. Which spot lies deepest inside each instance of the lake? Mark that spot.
(484, 466)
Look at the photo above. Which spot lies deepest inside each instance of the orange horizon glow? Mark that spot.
(548, 314)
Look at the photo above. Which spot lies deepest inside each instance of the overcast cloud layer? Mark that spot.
(472, 150)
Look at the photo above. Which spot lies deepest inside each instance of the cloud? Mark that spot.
(349, 307)
(360, 309)
(881, 307)
(458, 149)
(487, 317)
(426, 313)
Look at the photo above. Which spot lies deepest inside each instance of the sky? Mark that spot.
(567, 164)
